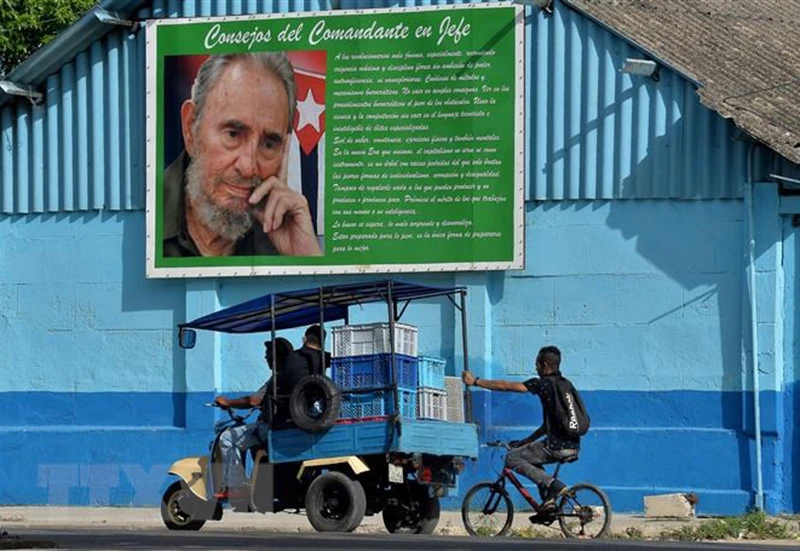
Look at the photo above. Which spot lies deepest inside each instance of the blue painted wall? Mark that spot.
(644, 298)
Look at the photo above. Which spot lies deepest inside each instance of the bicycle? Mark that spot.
(493, 507)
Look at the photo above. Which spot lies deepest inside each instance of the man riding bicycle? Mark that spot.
(527, 456)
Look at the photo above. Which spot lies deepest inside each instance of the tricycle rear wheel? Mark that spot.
(418, 513)
(335, 503)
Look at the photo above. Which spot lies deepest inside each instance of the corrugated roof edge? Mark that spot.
(734, 115)
(679, 70)
(67, 44)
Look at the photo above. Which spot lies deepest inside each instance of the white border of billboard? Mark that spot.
(518, 261)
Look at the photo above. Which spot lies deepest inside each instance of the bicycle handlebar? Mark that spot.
(229, 411)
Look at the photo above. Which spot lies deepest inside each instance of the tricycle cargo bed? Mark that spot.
(375, 437)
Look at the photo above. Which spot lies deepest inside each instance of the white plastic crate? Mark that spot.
(373, 338)
(431, 404)
(455, 399)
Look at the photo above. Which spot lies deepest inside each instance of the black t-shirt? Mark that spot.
(306, 361)
(545, 389)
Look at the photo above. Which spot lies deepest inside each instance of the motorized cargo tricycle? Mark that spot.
(337, 470)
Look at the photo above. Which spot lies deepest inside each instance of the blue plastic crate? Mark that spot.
(374, 371)
(377, 404)
(431, 372)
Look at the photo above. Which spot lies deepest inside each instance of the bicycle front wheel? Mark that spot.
(584, 512)
(487, 510)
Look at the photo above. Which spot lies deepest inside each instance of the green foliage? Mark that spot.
(752, 526)
(26, 25)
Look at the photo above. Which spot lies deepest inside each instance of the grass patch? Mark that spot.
(752, 526)
(755, 525)
(484, 531)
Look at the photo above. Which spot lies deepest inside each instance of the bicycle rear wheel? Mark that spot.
(584, 512)
(487, 510)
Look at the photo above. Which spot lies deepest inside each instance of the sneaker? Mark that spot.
(543, 516)
(555, 490)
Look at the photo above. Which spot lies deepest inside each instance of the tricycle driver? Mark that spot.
(236, 440)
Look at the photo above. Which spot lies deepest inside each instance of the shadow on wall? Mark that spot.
(655, 140)
(690, 255)
(699, 246)
(143, 295)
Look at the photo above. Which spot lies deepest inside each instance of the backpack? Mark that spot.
(569, 415)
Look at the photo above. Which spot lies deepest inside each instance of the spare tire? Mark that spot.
(315, 403)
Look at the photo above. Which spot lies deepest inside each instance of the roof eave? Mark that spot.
(66, 45)
(785, 152)
(655, 57)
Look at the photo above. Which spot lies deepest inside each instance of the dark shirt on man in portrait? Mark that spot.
(177, 241)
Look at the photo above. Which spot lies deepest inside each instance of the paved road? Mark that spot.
(161, 539)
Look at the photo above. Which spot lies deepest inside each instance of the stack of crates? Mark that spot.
(362, 360)
(432, 395)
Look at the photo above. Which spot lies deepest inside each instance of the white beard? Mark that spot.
(226, 223)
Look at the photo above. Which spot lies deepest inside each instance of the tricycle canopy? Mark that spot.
(291, 309)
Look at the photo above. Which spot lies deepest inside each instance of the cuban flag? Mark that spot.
(307, 153)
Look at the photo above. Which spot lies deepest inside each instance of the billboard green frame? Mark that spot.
(422, 149)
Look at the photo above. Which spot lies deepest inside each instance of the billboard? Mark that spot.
(365, 141)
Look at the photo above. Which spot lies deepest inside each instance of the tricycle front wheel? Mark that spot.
(176, 507)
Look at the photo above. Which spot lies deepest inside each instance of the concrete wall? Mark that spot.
(645, 299)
